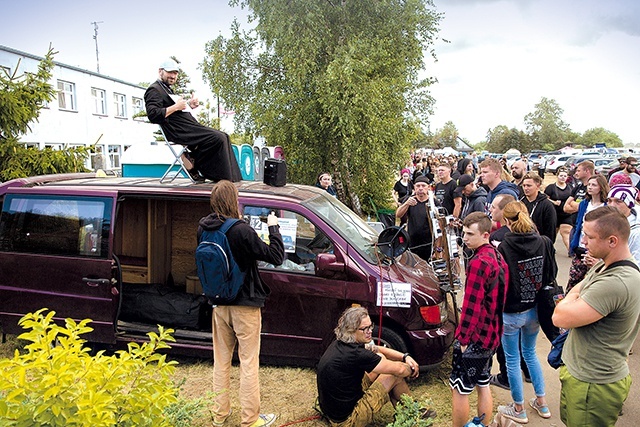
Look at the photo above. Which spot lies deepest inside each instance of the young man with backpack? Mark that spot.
(240, 319)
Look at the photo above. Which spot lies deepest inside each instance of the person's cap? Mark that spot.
(405, 170)
(463, 181)
(169, 65)
(622, 159)
(625, 193)
(422, 178)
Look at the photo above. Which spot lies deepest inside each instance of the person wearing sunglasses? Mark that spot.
(631, 170)
(355, 377)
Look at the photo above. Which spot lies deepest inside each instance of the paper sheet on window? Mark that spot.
(288, 228)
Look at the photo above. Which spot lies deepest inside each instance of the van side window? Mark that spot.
(56, 225)
(302, 240)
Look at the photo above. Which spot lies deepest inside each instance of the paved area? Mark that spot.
(631, 415)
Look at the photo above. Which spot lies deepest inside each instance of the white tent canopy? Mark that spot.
(512, 151)
(447, 151)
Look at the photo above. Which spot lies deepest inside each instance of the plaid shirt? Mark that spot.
(485, 293)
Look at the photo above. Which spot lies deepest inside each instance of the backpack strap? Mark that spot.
(624, 262)
(228, 223)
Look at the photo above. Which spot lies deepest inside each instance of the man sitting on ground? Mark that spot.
(356, 378)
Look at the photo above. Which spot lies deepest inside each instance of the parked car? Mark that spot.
(555, 162)
(120, 251)
(573, 161)
(606, 167)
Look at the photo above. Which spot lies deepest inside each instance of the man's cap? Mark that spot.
(627, 194)
(422, 178)
(169, 65)
(463, 181)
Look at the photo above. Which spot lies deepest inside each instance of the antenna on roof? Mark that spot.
(95, 37)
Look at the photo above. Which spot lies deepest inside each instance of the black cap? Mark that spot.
(463, 181)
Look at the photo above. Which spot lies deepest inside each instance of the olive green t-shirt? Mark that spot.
(597, 353)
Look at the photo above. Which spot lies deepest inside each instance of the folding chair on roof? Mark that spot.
(170, 174)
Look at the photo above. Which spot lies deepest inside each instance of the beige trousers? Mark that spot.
(239, 324)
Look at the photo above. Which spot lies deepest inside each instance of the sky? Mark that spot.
(495, 58)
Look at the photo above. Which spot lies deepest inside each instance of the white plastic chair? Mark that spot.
(177, 154)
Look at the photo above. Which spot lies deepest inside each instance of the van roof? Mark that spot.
(150, 186)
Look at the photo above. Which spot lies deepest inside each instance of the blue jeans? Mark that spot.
(522, 329)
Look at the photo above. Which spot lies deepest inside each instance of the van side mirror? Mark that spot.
(327, 265)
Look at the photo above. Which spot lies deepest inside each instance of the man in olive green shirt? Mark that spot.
(602, 312)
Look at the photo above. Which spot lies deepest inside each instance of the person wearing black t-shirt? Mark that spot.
(581, 176)
(558, 193)
(355, 377)
(445, 191)
(415, 212)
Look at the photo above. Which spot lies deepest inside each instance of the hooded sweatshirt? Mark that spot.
(543, 215)
(475, 202)
(247, 248)
(503, 187)
(524, 254)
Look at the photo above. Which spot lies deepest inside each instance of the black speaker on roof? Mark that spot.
(275, 172)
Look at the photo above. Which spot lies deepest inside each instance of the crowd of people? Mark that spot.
(509, 222)
(511, 278)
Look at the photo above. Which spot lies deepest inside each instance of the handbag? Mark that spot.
(555, 355)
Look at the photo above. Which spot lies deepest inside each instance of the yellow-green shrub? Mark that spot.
(56, 382)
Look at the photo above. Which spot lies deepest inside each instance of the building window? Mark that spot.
(67, 96)
(120, 102)
(138, 108)
(99, 101)
(114, 156)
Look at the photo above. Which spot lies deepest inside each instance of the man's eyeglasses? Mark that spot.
(366, 329)
(633, 164)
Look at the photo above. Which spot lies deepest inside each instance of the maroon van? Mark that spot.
(120, 251)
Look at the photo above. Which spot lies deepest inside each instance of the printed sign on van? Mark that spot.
(394, 294)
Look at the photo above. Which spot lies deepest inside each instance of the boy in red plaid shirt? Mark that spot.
(480, 327)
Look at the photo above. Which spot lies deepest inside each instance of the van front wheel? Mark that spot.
(390, 339)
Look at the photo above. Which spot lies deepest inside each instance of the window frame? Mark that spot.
(120, 104)
(99, 101)
(67, 95)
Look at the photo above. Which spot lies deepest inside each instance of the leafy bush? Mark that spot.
(413, 413)
(56, 382)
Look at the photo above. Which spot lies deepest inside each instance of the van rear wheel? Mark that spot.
(390, 339)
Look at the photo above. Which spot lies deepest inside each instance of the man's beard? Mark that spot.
(517, 175)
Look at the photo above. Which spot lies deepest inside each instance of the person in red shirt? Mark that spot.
(480, 327)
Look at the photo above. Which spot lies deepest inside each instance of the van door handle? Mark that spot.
(94, 283)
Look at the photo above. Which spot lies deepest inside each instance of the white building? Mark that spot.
(90, 108)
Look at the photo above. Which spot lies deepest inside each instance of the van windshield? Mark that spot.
(346, 223)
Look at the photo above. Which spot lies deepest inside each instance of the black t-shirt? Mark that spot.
(556, 193)
(403, 190)
(444, 195)
(339, 378)
(419, 230)
(579, 193)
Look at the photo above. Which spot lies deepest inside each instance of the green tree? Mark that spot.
(446, 137)
(501, 139)
(594, 136)
(334, 83)
(545, 126)
(21, 98)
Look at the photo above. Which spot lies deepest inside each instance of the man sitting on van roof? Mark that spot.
(210, 148)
